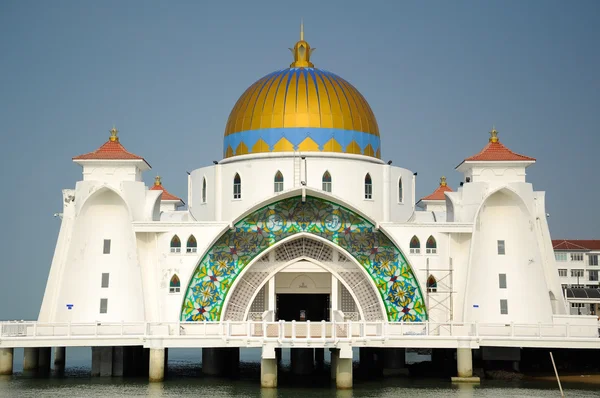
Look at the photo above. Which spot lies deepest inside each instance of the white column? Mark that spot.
(268, 368)
(59, 359)
(271, 293)
(343, 377)
(335, 297)
(464, 362)
(157, 364)
(6, 361)
(30, 359)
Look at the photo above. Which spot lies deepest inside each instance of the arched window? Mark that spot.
(415, 245)
(192, 245)
(237, 187)
(400, 193)
(431, 284)
(368, 187)
(431, 245)
(204, 190)
(175, 244)
(174, 284)
(278, 182)
(327, 182)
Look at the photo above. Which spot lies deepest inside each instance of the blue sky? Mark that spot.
(437, 74)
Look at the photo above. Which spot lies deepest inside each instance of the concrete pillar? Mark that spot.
(268, 368)
(335, 354)
(303, 361)
(6, 361)
(102, 361)
(464, 362)
(394, 360)
(60, 356)
(213, 361)
(45, 354)
(343, 377)
(31, 357)
(157, 364)
(118, 361)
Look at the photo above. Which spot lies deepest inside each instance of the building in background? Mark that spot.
(577, 264)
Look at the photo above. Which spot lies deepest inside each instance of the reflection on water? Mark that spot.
(185, 380)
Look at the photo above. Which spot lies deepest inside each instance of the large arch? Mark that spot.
(224, 261)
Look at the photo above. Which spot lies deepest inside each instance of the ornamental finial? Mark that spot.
(494, 135)
(157, 181)
(113, 134)
(302, 51)
(443, 181)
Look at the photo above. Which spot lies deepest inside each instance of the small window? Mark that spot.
(103, 305)
(174, 284)
(105, 280)
(192, 245)
(431, 284)
(326, 182)
(593, 259)
(237, 187)
(431, 245)
(593, 275)
(562, 272)
(560, 256)
(400, 193)
(576, 256)
(504, 307)
(577, 273)
(502, 281)
(501, 250)
(368, 187)
(175, 244)
(106, 249)
(278, 182)
(204, 190)
(415, 245)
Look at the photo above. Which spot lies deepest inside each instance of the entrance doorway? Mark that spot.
(303, 307)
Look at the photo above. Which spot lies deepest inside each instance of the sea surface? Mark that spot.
(186, 380)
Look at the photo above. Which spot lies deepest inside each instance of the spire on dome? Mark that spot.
(157, 181)
(443, 181)
(302, 51)
(494, 135)
(113, 134)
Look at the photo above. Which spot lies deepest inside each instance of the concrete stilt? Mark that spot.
(157, 364)
(464, 362)
(31, 357)
(102, 361)
(118, 361)
(343, 377)
(268, 368)
(213, 361)
(6, 361)
(335, 354)
(44, 360)
(60, 356)
(303, 361)
(394, 360)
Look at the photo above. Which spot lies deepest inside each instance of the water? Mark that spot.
(186, 380)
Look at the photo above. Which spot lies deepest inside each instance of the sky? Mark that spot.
(437, 74)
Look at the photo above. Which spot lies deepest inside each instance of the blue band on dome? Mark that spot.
(296, 135)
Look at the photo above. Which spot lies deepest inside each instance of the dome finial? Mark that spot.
(443, 181)
(494, 135)
(302, 51)
(157, 181)
(113, 134)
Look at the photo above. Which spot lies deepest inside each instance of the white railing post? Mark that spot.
(122, 327)
(281, 329)
(427, 329)
(512, 329)
(204, 327)
(228, 328)
(451, 328)
(35, 329)
(264, 329)
(333, 330)
(308, 334)
(402, 327)
(540, 330)
(294, 330)
(323, 330)
(568, 331)
(476, 329)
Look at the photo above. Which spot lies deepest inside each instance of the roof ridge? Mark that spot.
(495, 149)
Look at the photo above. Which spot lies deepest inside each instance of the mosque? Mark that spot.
(302, 220)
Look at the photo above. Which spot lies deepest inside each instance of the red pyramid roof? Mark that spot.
(438, 194)
(495, 151)
(166, 195)
(111, 150)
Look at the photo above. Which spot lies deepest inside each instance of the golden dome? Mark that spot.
(303, 109)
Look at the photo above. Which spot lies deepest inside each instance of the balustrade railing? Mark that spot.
(287, 331)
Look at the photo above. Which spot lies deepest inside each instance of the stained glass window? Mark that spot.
(431, 245)
(174, 284)
(326, 182)
(175, 244)
(192, 245)
(415, 245)
(237, 187)
(278, 182)
(368, 187)
(431, 284)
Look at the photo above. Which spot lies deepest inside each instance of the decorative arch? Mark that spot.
(175, 244)
(431, 245)
(174, 284)
(431, 284)
(278, 182)
(371, 248)
(192, 245)
(326, 181)
(415, 245)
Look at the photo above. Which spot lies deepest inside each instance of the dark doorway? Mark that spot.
(303, 307)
